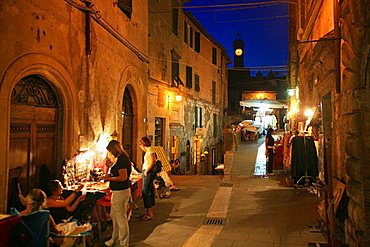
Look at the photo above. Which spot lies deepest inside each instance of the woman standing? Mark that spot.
(119, 184)
(148, 177)
(269, 142)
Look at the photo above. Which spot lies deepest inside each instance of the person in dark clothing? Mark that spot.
(61, 208)
(269, 142)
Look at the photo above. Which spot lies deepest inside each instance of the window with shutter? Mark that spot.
(185, 32)
(196, 117)
(197, 42)
(191, 37)
(189, 77)
(175, 68)
(213, 92)
(175, 21)
(126, 7)
(196, 83)
(200, 118)
(214, 55)
(215, 125)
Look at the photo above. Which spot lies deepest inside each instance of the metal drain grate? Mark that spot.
(213, 221)
(226, 185)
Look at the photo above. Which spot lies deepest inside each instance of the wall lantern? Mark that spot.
(178, 98)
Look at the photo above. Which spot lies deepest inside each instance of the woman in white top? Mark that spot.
(148, 177)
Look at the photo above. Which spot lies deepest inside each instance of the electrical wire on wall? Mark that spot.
(103, 23)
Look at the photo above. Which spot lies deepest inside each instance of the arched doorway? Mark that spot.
(127, 123)
(34, 121)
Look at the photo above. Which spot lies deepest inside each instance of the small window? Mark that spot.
(159, 131)
(214, 55)
(191, 37)
(215, 125)
(213, 92)
(197, 42)
(185, 32)
(198, 117)
(126, 7)
(174, 68)
(189, 77)
(196, 83)
(175, 21)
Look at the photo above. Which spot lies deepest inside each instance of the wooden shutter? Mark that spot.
(126, 7)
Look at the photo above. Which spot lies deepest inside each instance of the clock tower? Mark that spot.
(238, 52)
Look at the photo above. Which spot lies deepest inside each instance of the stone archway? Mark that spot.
(62, 83)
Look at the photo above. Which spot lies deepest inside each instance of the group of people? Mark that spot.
(119, 183)
(60, 208)
(118, 177)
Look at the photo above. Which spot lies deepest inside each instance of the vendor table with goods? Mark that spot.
(87, 168)
(98, 197)
(99, 192)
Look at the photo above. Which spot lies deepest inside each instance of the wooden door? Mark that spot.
(127, 123)
(33, 133)
(32, 143)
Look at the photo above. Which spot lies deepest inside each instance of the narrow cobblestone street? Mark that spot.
(249, 210)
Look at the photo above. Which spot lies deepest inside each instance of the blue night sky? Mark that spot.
(263, 26)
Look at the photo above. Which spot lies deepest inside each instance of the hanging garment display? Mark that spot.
(304, 160)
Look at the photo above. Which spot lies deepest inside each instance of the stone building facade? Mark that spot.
(329, 62)
(185, 62)
(70, 73)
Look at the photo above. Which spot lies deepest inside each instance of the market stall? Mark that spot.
(88, 167)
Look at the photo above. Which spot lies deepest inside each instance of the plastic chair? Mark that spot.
(37, 225)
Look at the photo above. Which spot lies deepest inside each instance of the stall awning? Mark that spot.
(264, 103)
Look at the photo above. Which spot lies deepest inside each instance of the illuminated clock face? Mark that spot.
(238, 52)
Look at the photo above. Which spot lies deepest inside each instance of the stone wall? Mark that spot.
(47, 38)
(355, 90)
(165, 45)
